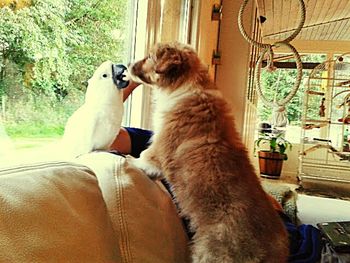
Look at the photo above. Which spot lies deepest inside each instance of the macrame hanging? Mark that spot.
(279, 116)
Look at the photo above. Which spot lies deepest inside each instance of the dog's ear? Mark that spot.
(167, 60)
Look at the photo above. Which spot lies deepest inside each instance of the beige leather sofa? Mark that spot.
(98, 209)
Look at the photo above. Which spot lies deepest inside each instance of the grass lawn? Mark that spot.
(33, 143)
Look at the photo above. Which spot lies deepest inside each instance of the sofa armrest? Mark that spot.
(142, 212)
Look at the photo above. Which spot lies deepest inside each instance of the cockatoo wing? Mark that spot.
(79, 132)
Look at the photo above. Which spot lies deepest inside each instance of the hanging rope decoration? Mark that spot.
(279, 118)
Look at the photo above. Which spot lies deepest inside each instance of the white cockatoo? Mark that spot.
(97, 122)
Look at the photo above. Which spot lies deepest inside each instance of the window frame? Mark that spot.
(148, 32)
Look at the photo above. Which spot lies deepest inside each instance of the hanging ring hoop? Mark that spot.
(262, 45)
(294, 90)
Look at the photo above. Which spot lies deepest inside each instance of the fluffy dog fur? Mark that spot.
(197, 148)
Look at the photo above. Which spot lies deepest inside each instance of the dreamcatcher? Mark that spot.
(279, 117)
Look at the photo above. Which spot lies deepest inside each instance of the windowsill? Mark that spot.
(285, 179)
(319, 188)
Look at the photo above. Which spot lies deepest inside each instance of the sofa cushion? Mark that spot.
(54, 212)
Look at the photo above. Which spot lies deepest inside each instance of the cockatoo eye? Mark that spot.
(105, 75)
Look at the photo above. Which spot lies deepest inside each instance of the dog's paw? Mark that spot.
(150, 170)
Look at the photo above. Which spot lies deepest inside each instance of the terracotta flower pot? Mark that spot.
(270, 164)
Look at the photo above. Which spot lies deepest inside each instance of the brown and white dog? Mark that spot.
(198, 150)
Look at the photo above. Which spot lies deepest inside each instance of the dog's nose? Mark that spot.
(118, 74)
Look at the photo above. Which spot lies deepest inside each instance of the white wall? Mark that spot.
(231, 76)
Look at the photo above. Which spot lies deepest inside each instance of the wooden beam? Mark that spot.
(292, 65)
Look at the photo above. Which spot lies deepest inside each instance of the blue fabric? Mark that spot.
(305, 243)
(140, 140)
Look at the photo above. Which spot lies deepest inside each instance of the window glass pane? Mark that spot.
(48, 50)
(278, 84)
(134, 105)
(158, 21)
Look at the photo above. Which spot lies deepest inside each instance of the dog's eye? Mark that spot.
(105, 75)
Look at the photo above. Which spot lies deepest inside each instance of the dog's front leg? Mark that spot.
(149, 163)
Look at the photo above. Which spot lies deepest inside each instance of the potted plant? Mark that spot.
(272, 153)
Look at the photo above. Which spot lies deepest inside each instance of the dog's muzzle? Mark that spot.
(118, 75)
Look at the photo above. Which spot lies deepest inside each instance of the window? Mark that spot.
(48, 49)
(158, 21)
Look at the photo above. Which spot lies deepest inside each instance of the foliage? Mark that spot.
(35, 36)
(58, 43)
(101, 30)
(40, 116)
(275, 143)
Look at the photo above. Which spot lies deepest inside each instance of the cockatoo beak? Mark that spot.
(118, 75)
